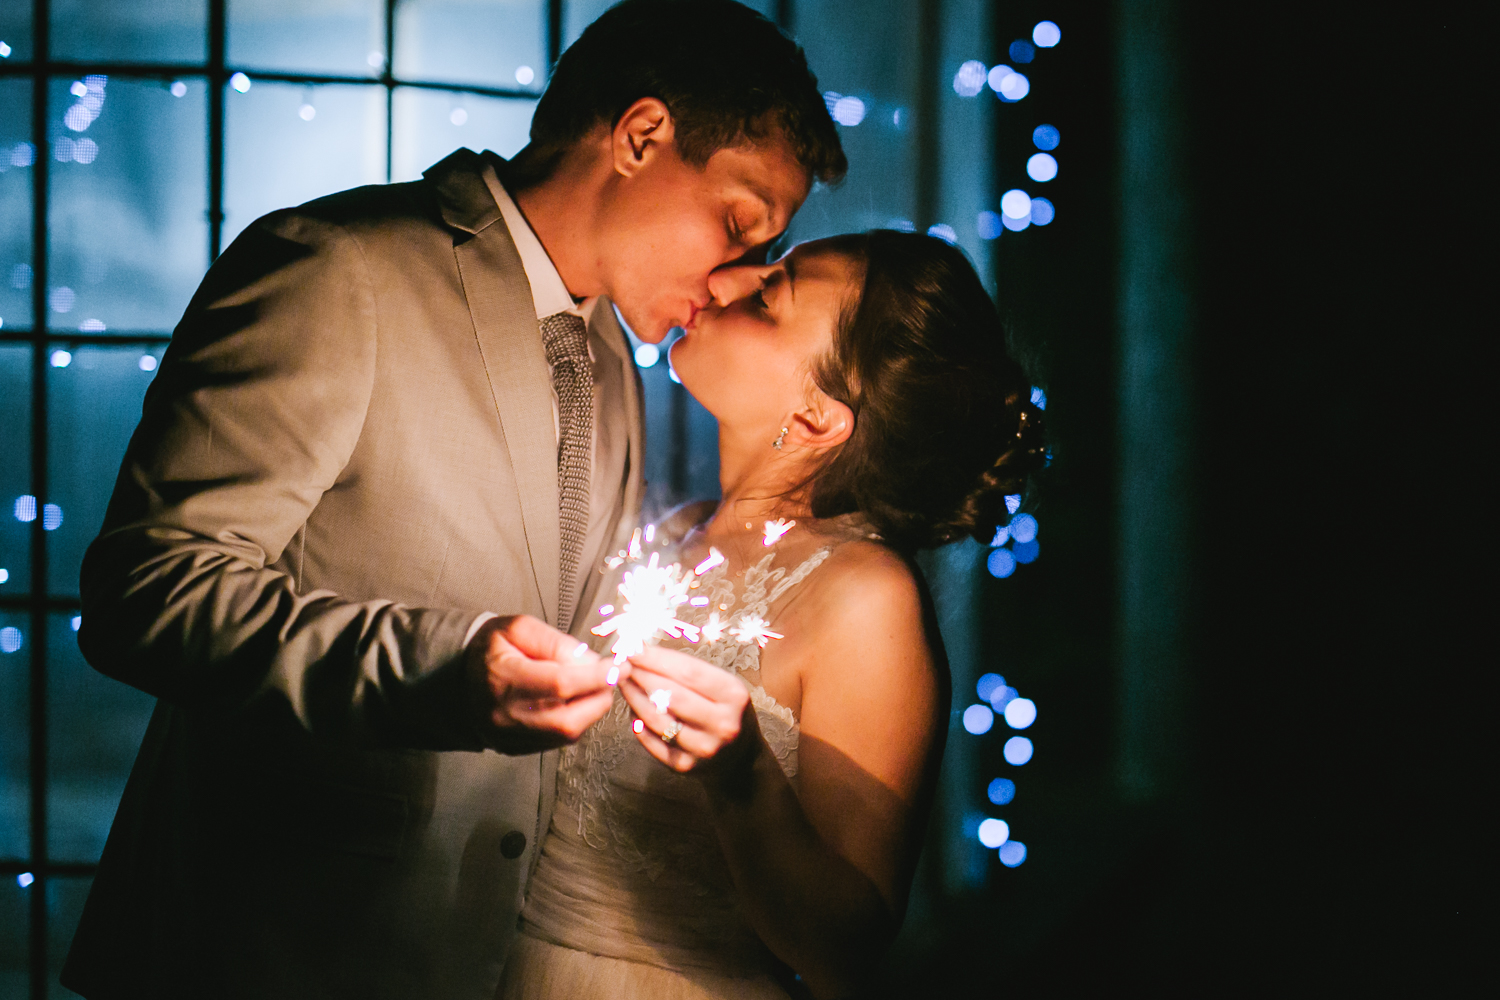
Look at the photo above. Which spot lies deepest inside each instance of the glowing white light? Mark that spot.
(606, 609)
(1013, 502)
(1026, 552)
(612, 676)
(5, 54)
(1046, 137)
(634, 549)
(147, 363)
(1041, 211)
(1002, 791)
(25, 878)
(91, 326)
(902, 225)
(524, 75)
(651, 595)
(1015, 204)
(978, 719)
(307, 112)
(22, 154)
(1002, 535)
(1046, 34)
(4, 574)
(849, 111)
(1020, 713)
(25, 509)
(994, 832)
(62, 150)
(20, 276)
(637, 727)
(699, 602)
(714, 558)
(1042, 167)
(78, 89)
(240, 82)
(1002, 696)
(997, 74)
(1023, 527)
(672, 374)
(988, 224)
(1000, 563)
(987, 684)
(1012, 853)
(52, 517)
(1038, 397)
(647, 355)
(754, 628)
(1014, 87)
(969, 80)
(61, 359)
(944, 232)
(1018, 750)
(77, 622)
(650, 533)
(85, 151)
(458, 116)
(1022, 51)
(661, 700)
(775, 529)
(375, 59)
(10, 640)
(713, 629)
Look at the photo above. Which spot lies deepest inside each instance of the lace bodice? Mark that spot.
(631, 866)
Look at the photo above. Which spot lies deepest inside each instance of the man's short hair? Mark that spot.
(728, 76)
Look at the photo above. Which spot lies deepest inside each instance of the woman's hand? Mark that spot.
(709, 705)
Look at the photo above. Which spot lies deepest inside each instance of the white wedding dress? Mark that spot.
(632, 897)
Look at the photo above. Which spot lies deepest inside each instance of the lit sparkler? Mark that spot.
(775, 529)
(754, 628)
(651, 594)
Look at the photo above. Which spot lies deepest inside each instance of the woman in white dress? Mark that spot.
(867, 406)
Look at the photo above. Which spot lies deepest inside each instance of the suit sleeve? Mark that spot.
(254, 413)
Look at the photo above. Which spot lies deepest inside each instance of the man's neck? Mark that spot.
(561, 211)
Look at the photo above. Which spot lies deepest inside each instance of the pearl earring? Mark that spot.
(779, 438)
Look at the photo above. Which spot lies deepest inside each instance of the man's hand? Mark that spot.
(536, 688)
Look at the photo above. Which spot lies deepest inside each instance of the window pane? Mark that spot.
(15, 920)
(286, 143)
(15, 737)
(94, 730)
(491, 43)
(65, 898)
(130, 30)
(339, 37)
(15, 469)
(15, 31)
(128, 218)
(93, 405)
(16, 158)
(430, 124)
(881, 73)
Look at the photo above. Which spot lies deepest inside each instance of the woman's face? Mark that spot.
(748, 356)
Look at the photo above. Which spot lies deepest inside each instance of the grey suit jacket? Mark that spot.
(347, 453)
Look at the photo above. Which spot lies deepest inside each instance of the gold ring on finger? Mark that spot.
(670, 733)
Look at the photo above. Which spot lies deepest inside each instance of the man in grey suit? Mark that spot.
(395, 434)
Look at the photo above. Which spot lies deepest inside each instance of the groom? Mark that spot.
(387, 417)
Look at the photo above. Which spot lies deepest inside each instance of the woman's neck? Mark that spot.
(759, 483)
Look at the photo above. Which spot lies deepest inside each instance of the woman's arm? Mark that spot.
(823, 870)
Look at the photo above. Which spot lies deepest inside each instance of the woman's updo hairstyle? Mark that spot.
(944, 426)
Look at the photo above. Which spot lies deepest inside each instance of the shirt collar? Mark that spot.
(549, 294)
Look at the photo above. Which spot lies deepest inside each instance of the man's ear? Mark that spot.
(642, 132)
(824, 423)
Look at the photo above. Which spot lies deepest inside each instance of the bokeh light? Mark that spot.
(1002, 535)
(993, 832)
(524, 75)
(1046, 34)
(307, 112)
(76, 622)
(4, 575)
(1002, 791)
(61, 359)
(1014, 87)
(1042, 167)
(1023, 527)
(61, 299)
(1026, 552)
(1046, 137)
(240, 82)
(1022, 51)
(647, 355)
(52, 517)
(1013, 502)
(979, 719)
(1015, 204)
(1020, 713)
(25, 879)
(944, 232)
(11, 639)
(1018, 750)
(1012, 853)
(970, 78)
(1001, 563)
(24, 509)
(987, 684)
(989, 225)
(147, 363)
(1038, 397)
(849, 111)
(1002, 696)
(1041, 211)
(458, 116)
(178, 88)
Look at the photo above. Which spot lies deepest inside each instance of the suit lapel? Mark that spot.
(510, 344)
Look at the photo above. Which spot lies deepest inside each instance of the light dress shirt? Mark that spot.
(549, 296)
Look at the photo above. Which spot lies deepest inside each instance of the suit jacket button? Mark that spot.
(512, 844)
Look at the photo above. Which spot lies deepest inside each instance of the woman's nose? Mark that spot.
(733, 282)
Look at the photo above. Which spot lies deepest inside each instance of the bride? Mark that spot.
(867, 406)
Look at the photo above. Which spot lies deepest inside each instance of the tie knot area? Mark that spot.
(565, 338)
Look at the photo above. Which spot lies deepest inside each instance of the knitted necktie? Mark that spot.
(566, 340)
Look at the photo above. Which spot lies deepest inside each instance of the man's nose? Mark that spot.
(733, 282)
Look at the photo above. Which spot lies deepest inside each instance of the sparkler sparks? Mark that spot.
(715, 558)
(754, 628)
(713, 629)
(775, 529)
